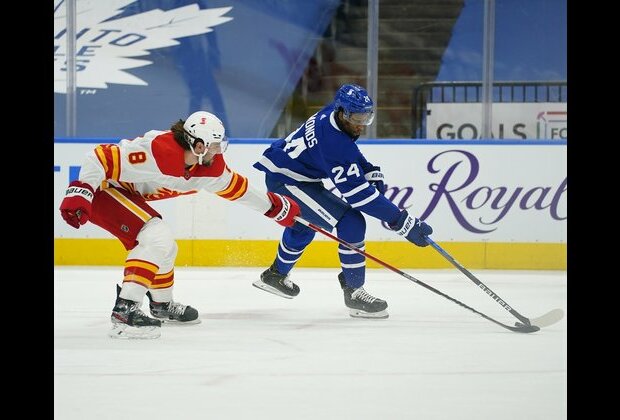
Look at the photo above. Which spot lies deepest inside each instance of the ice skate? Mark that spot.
(128, 321)
(279, 284)
(173, 312)
(362, 304)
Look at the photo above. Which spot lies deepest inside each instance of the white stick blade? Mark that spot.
(549, 318)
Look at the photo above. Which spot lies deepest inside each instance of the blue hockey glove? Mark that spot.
(374, 176)
(412, 228)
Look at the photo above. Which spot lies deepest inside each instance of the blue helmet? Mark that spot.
(358, 108)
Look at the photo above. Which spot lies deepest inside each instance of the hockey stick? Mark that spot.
(522, 328)
(545, 320)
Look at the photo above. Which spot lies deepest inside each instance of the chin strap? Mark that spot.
(191, 147)
(198, 155)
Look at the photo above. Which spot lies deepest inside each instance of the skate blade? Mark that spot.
(260, 285)
(357, 313)
(127, 332)
(176, 322)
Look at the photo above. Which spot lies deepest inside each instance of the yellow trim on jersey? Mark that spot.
(116, 162)
(161, 276)
(254, 253)
(138, 279)
(115, 153)
(102, 158)
(242, 190)
(229, 188)
(128, 204)
(142, 264)
(161, 286)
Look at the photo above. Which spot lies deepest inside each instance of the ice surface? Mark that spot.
(259, 356)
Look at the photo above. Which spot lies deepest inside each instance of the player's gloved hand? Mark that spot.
(414, 229)
(283, 209)
(374, 176)
(75, 207)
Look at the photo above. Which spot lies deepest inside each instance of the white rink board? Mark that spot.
(456, 186)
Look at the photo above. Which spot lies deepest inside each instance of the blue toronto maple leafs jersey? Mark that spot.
(318, 149)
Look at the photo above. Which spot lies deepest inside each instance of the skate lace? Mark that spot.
(363, 295)
(137, 309)
(287, 282)
(176, 308)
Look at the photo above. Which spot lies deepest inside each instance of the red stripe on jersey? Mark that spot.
(163, 280)
(136, 279)
(142, 263)
(132, 265)
(237, 188)
(169, 156)
(139, 274)
(110, 157)
(242, 190)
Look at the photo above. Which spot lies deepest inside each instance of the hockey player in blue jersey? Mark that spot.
(324, 147)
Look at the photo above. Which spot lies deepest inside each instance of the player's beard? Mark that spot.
(207, 160)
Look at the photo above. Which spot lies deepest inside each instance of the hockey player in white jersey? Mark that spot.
(324, 147)
(115, 183)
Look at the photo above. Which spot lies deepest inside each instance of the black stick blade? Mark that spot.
(522, 328)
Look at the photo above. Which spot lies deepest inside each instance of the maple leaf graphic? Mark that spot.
(104, 49)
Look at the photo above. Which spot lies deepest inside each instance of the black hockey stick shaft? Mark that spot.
(478, 283)
(523, 329)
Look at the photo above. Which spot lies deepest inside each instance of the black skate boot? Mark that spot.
(173, 312)
(362, 304)
(274, 282)
(128, 320)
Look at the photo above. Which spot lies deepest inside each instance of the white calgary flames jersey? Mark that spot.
(154, 166)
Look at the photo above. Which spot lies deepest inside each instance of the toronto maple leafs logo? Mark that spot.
(106, 47)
